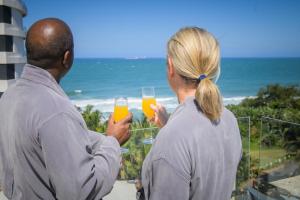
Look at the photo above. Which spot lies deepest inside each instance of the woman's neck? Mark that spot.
(183, 93)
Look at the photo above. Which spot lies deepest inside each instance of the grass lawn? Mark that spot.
(267, 155)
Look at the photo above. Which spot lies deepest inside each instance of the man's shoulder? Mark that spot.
(41, 97)
(35, 99)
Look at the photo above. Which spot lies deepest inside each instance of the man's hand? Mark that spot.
(160, 117)
(119, 130)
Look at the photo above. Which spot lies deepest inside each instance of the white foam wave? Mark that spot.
(235, 100)
(78, 91)
(107, 105)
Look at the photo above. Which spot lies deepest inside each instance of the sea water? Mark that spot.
(98, 81)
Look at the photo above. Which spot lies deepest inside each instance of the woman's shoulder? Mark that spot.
(184, 124)
(228, 117)
(228, 113)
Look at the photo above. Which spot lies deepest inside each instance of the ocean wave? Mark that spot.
(107, 105)
(74, 92)
(235, 100)
(78, 91)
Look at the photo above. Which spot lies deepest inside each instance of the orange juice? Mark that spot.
(146, 106)
(120, 112)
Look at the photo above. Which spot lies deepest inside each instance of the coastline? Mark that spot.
(135, 104)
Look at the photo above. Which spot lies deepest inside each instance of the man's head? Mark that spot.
(49, 45)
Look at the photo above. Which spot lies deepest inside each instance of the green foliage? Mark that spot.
(274, 101)
(133, 160)
(291, 140)
(243, 170)
(275, 97)
(280, 102)
(92, 119)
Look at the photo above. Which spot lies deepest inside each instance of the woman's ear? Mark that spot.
(170, 67)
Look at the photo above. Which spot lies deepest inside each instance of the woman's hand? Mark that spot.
(160, 117)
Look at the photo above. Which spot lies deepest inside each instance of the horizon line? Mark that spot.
(144, 57)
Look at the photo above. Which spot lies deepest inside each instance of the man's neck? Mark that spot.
(55, 74)
(54, 71)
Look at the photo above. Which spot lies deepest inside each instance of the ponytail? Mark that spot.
(209, 99)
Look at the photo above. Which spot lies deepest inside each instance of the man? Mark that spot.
(46, 150)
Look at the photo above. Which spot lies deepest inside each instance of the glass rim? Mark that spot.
(121, 100)
(148, 91)
(148, 87)
(121, 97)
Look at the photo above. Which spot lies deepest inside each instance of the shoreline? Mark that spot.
(106, 105)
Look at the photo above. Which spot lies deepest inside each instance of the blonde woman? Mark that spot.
(197, 151)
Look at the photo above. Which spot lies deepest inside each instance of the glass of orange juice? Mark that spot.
(148, 99)
(121, 108)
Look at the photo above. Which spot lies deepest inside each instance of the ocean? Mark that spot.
(98, 81)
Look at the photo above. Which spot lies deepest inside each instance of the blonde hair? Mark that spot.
(194, 52)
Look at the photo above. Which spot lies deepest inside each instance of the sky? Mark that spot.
(141, 28)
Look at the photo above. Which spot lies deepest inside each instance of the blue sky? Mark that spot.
(130, 28)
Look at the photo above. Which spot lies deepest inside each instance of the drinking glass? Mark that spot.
(121, 108)
(148, 94)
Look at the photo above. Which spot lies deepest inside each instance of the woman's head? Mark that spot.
(195, 56)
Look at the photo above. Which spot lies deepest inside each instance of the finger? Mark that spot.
(160, 107)
(127, 119)
(129, 133)
(152, 120)
(125, 137)
(110, 119)
(153, 107)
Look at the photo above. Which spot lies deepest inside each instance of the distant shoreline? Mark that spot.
(229, 57)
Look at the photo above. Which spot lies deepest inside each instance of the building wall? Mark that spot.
(12, 35)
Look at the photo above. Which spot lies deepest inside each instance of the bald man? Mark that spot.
(46, 150)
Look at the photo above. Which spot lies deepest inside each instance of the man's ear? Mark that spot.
(67, 59)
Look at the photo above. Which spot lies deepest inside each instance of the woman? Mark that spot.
(197, 151)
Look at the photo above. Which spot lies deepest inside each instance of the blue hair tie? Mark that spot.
(201, 77)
